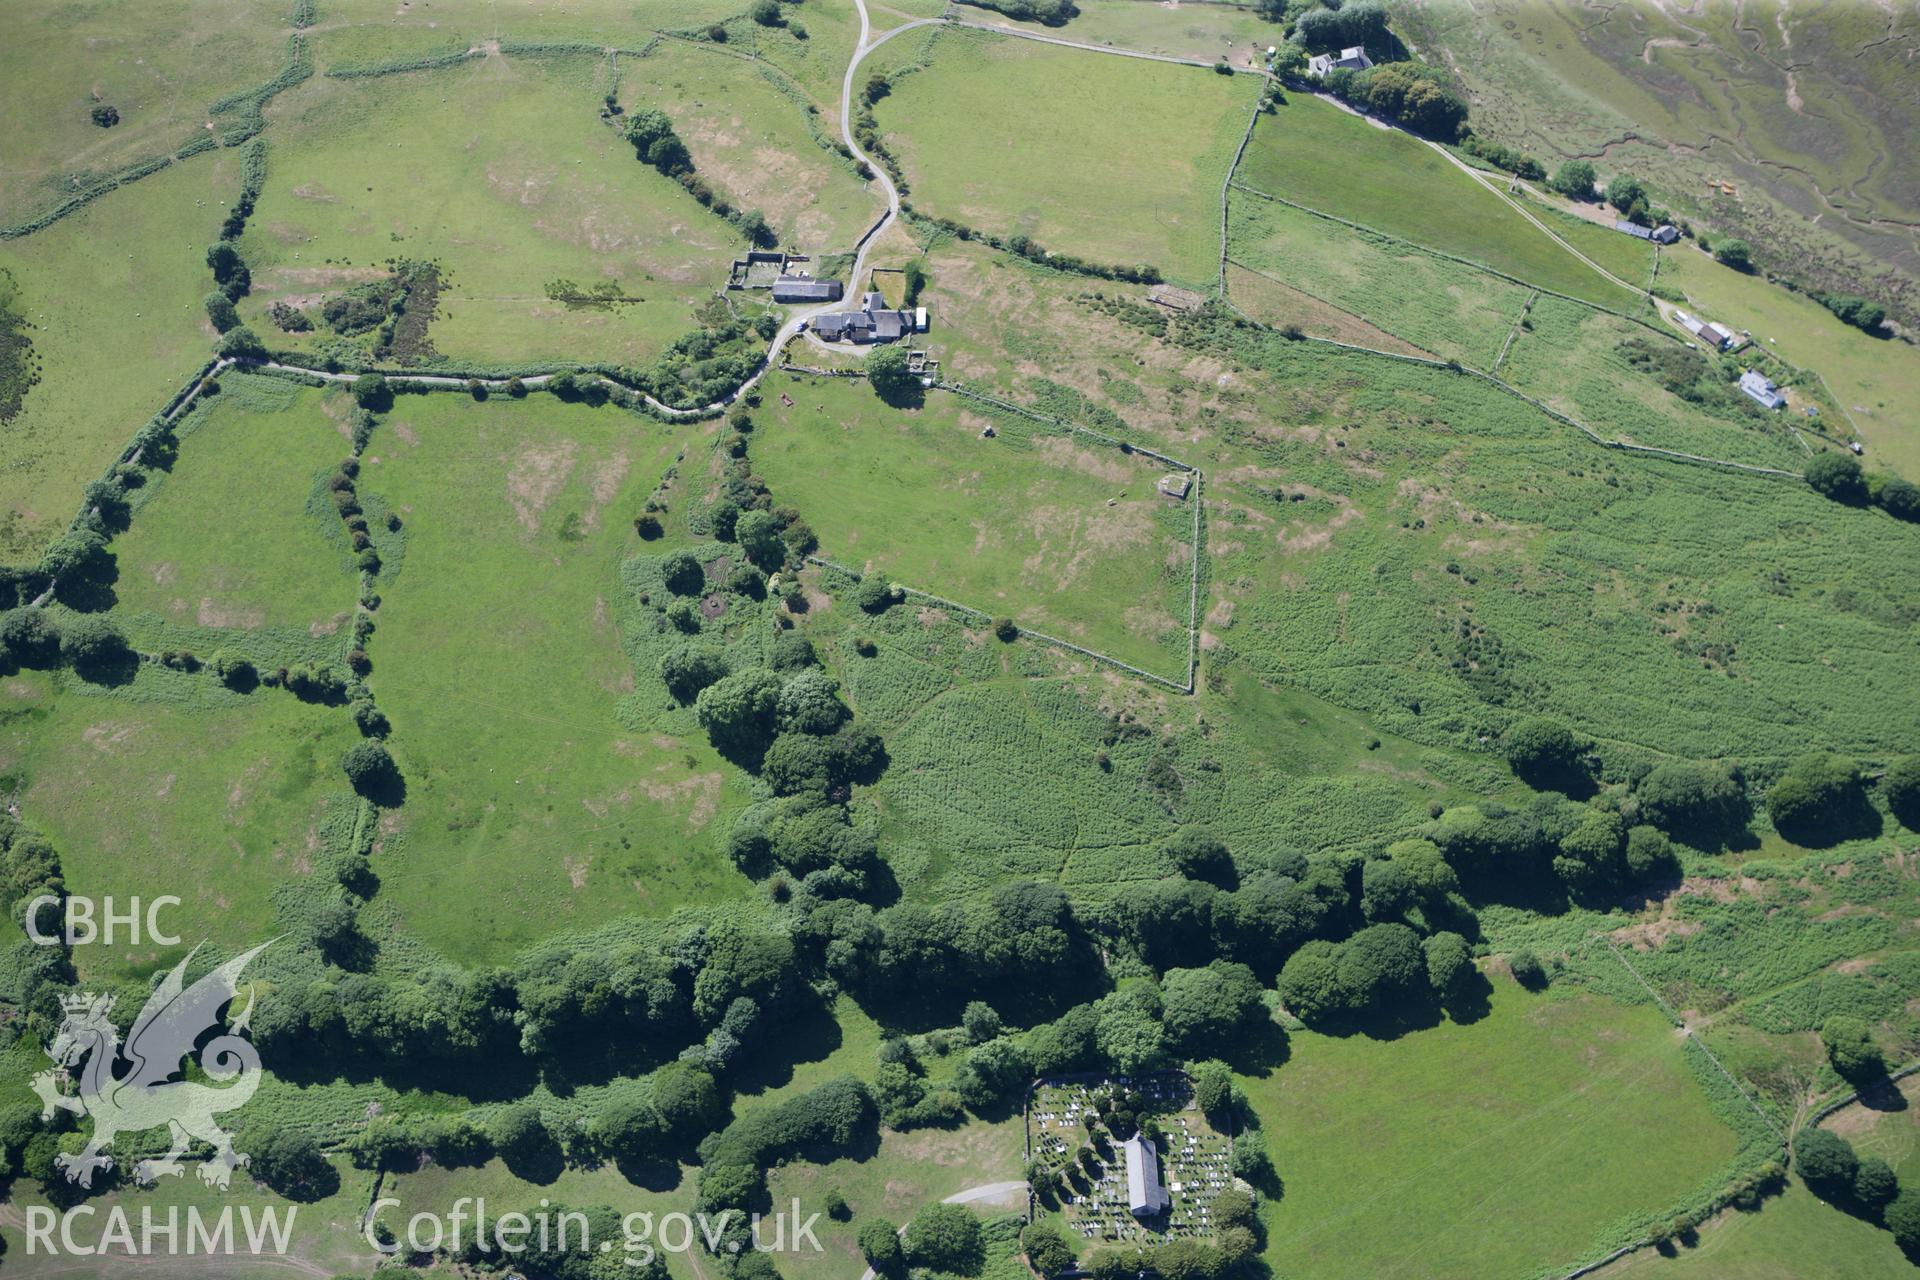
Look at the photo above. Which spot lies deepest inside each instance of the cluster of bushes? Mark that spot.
(290, 319)
(1574, 179)
(1690, 375)
(1412, 93)
(1023, 938)
(1840, 477)
(1865, 1186)
(652, 136)
(29, 868)
(1051, 13)
(1501, 156)
(820, 1124)
(706, 364)
(706, 989)
(1363, 22)
(1852, 309)
(91, 646)
(343, 485)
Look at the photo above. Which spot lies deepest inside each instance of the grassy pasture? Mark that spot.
(159, 63)
(1272, 302)
(1205, 30)
(324, 1239)
(1500, 1147)
(384, 32)
(1568, 356)
(1876, 381)
(1603, 588)
(1794, 1234)
(1626, 256)
(502, 173)
(1316, 154)
(197, 554)
(218, 805)
(909, 1172)
(1459, 559)
(1442, 307)
(1126, 170)
(1797, 1233)
(117, 332)
(532, 783)
(751, 141)
(1065, 535)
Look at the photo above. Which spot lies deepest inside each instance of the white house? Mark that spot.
(1761, 388)
(1354, 59)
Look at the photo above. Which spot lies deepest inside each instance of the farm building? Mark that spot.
(805, 288)
(1355, 59)
(1145, 1196)
(1665, 233)
(874, 322)
(1717, 336)
(1762, 389)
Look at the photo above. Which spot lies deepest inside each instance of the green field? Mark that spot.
(1876, 382)
(501, 173)
(1206, 30)
(910, 1171)
(194, 556)
(672, 829)
(1797, 1233)
(1571, 357)
(160, 65)
(1127, 170)
(155, 795)
(1445, 308)
(1315, 154)
(117, 332)
(535, 777)
(753, 143)
(324, 1234)
(1066, 535)
(1503, 1147)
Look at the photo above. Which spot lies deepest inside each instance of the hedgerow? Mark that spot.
(401, 66)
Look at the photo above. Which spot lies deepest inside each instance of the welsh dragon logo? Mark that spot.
(144, 1095)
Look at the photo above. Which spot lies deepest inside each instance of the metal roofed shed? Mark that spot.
(805, 289)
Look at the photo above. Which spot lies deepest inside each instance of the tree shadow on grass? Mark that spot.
(652, 1172)
(90, 591)
(1857, 820)
(810, 1036)
(540, 1163)
(1261, 1052)
(1882, 1095)
(113, 669)
(1469, 1000)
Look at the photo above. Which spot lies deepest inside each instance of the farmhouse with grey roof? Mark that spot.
(874, 322)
